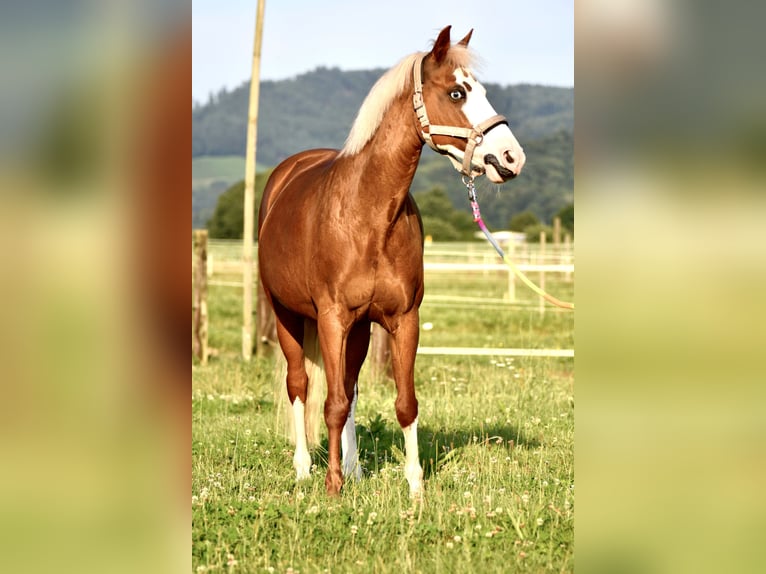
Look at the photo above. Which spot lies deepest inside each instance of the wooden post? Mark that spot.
(568, 256)
(199, 319)
(542, 273)
(380, 353)
(556, 232)
(249, 213)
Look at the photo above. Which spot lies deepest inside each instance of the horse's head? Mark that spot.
(455, 117)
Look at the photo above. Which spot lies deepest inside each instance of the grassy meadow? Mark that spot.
(229, 168)
(496, 438)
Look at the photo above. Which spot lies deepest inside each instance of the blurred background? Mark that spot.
(94, 176)
(94, 212)
(670, 142)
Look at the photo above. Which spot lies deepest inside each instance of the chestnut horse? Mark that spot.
(340, 240)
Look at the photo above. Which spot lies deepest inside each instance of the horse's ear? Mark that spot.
(464, 41)
(442, 45)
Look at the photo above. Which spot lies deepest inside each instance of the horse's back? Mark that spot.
(285, 238)
(287, 171)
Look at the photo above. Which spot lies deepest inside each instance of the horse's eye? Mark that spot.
(456, 95)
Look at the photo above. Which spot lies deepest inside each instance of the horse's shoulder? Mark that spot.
(289, 169)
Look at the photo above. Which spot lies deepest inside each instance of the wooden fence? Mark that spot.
(223, 267)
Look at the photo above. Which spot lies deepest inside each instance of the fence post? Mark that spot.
(199, 324)
(248, 229)
(568, 256)
(556, 232)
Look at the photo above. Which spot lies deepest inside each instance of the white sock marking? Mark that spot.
(348, 442)
(302, 458)
(412, 470)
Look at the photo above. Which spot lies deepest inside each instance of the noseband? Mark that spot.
(473, 136)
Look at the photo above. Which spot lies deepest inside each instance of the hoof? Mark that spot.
(302, 466)
(302, 473)
(333, 482)
(416, 491)
(414, 475)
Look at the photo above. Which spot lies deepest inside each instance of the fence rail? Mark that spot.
(225, 257)
(496, 352)
(224, 269)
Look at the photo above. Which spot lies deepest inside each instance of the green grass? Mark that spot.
(496, 444)
(229, 168)
(221, 167)
(485, 321)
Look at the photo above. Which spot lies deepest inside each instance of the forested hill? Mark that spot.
(317, 109)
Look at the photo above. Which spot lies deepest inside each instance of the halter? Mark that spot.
(473, 136)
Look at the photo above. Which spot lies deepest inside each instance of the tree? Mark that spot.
(440, 219)
(566, 214)
(521, 221)
(227, 220)
(533, 233)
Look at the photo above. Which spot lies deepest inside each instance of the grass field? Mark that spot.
(496, 444)
(229, 168)
(223, 167)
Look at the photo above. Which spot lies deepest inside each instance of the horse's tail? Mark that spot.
(315, 393)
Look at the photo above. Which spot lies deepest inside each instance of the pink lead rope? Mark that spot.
(468, 181)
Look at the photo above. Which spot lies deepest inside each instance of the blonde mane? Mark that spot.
(388, 87)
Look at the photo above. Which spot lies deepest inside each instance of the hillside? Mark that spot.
(317, 109)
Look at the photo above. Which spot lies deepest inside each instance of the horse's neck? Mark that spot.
(383, 171)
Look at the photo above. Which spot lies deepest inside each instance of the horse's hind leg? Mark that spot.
(356, 352)
(290, 335)
(405, 333)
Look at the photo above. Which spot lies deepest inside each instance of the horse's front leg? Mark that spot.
(332, 338)
(405, 334)
(356, 351)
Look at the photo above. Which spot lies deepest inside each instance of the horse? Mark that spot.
(340, 241)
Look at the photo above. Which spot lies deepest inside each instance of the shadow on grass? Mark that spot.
(382, 442)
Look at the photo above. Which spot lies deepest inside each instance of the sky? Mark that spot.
(518, 41)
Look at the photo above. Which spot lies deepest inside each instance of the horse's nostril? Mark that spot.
(501, 170)
(508, 156)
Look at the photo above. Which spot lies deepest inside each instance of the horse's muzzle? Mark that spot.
(501, 170)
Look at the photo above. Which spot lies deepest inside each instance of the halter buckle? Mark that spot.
(417, 99)
(468, 182)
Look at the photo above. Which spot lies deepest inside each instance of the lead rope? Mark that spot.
(468, 182)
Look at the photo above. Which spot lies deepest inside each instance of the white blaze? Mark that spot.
(498, 140)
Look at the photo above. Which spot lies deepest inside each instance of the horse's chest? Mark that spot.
(397, 284)
(360, 281)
